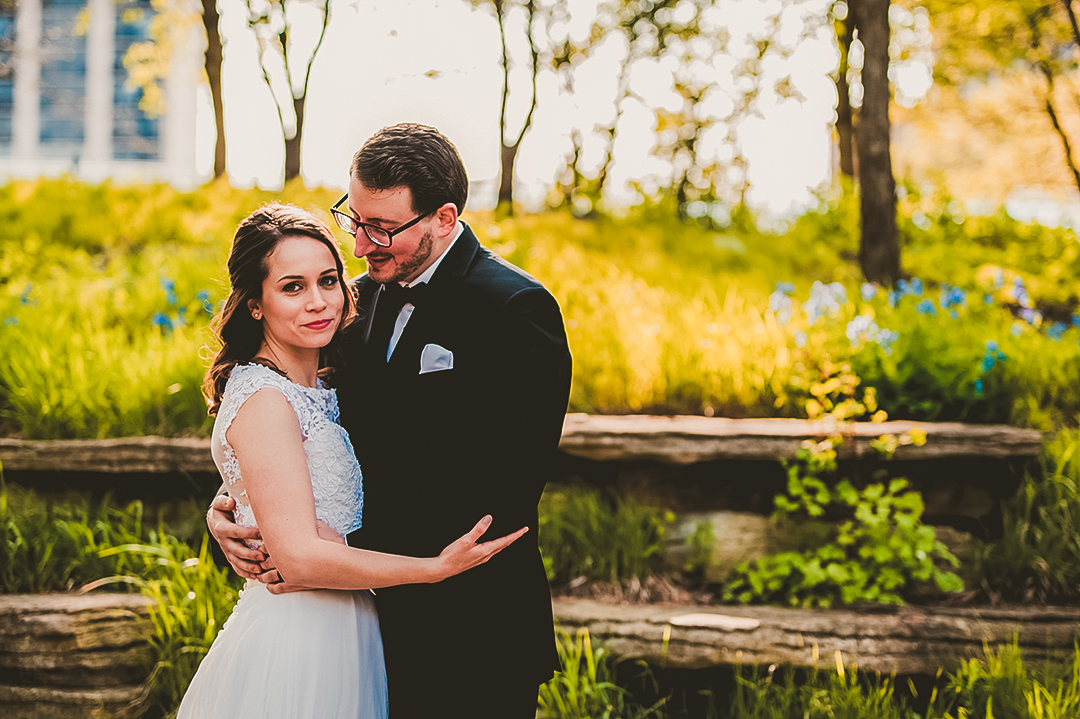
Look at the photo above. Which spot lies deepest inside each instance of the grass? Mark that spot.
(103, 316)
(1038, 557)
(586, 687)
(587, 534)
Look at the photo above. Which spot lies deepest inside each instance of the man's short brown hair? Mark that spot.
(417, 157)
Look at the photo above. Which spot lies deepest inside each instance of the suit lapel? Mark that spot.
(406, 357)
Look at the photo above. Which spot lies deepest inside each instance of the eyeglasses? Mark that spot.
(379, 235)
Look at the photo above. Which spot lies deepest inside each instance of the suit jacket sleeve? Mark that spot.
(529, 391)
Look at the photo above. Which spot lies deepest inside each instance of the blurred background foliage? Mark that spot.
(106, 291)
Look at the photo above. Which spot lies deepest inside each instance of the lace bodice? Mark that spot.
(336, 481)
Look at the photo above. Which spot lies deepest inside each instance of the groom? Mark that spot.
(453, 390)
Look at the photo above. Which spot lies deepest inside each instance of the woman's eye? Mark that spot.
(291, 287)
(329, 281)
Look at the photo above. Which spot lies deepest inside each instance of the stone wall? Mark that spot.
(73, 656)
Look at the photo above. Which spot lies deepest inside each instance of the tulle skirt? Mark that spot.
(304, 654)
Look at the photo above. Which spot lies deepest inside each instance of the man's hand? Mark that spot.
(272, 578)
(231, 537)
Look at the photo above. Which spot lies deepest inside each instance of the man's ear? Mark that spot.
(446, 218)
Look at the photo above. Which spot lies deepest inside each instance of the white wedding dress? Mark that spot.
(304, 654)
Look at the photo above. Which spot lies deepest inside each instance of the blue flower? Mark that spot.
(999, 279)
(885, 339)
(1032, 317)
(952, 297)
(1016, 329)
(869, 291)
(978, 386)
(781, 306)
(988, 298)
(991, 346)
(824, 300)
(202, 295)
(926, 307)
(1056, 330)
(181, 316)
(24, 298)
(1076, 320)
(160, 319)
(987, 363)
(785, 288)
(893, 297)
(11, 321)
(859, 326)
(169, 286)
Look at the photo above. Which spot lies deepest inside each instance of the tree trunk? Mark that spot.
(212, 63)
(506, 177)
(292, 144)
(844, 125)
(879, 248)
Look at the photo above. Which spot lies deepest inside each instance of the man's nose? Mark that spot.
(363, 246)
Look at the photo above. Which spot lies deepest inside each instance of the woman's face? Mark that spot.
(301, 296)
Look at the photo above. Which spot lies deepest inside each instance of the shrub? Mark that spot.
(878, 550)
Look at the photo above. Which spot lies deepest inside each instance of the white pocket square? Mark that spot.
(435, 359)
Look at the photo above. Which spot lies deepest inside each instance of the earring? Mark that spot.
(256, 315)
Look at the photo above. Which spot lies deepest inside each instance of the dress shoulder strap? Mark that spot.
(247, 379)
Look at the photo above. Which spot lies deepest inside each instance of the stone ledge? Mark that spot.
(686, 440)
(672, 440)
(901, 640)
(74, 641)
(49, 703)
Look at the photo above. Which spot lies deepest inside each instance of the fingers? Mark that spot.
(478, 530)
(246, 573)
(497, 545)
(222, 527)
(234, 548)
(223, 503)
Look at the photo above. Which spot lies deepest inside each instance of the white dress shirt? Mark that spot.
(407, 310)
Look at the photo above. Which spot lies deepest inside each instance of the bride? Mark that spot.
(291, 467)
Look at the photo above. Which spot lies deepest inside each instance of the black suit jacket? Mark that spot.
(442, 449)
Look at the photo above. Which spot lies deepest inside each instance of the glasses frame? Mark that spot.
(341, 218)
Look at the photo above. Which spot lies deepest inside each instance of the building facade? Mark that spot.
(67, 105)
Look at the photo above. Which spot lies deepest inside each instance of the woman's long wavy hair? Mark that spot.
(241, 335)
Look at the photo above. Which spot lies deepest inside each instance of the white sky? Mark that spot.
(437, 62)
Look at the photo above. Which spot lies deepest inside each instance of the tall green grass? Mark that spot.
(661, 315)
(1037, 559)
(586, 688)
(589, 534)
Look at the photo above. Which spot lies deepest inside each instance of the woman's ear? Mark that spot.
(253, 308)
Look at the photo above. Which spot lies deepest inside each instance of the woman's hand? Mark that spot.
(465, 553)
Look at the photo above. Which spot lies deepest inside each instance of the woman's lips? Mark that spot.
(320, 325)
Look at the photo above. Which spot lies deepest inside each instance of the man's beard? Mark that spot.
(414, 262)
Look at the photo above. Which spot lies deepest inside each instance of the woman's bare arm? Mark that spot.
(266, 438)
